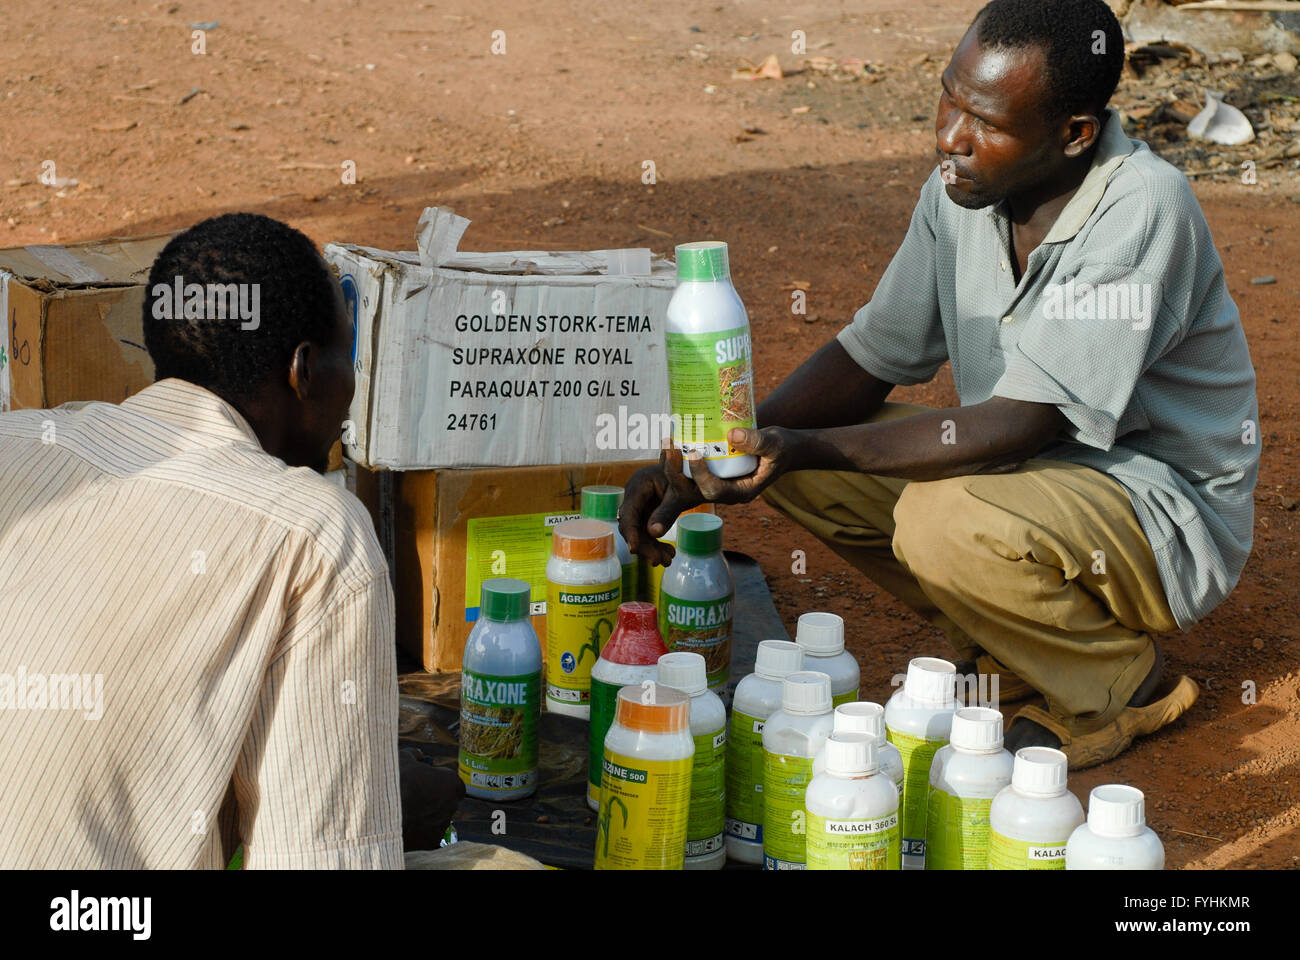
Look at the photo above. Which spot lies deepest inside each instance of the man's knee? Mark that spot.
(929, 517)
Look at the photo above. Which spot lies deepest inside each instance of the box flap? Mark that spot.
(112, 262)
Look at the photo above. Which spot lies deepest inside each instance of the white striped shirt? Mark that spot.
(196, 647)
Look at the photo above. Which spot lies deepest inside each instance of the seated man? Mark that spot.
(196, 628)
(1095, 486)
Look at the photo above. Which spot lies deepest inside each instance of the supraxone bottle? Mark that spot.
(601, 502)
(1115, 836)
(862, 716)
(645, 783)
(630, 658)
(965, 776)
(1031, 820)
(791, 738)
(696, 595)
(822, 637)
(757, 697)
(651, 577)
(710, 360)
(917, 721)
(684, 671)
(852, 809)
(583, 591)
(501, 695)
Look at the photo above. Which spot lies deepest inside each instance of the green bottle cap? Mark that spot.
(699, 534)
(705, 260)
(601, 502)
(504, 599)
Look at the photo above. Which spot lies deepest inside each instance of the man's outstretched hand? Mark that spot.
(657, 495)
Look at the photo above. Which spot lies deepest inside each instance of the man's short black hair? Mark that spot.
(1081, 41)
(296, 301)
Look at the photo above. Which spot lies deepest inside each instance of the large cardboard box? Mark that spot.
(521, 358)
(72, 321)
(444, 531)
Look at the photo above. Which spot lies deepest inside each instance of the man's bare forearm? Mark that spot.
(953, 442)
(828, 390)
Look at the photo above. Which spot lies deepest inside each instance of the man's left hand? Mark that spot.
(775, 448)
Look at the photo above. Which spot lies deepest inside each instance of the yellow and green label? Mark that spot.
(516, 546)
(708, 795)
(1006, 853)
(604, 698)
(711, 380)
(849, 697)
(917, 754)
(745, 777)
(957, 832)
(578, 622)
(644, 806)
(498, 730)
(699, 626)
(785, 780)
(853, 844)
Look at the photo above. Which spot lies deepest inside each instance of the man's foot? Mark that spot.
(1026, 733)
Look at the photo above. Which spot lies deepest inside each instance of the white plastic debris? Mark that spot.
(1221, 122)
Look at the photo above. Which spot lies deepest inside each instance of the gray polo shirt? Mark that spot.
(1123, 321)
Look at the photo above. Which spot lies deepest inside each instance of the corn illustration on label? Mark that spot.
(644, 806)
(957, 832)
(745, 777)
(917, 753)
(1006, 853)
(711, 380)
(578, 622)
(498, 730)
(853, 844)
(699, 626)
(785, 780)
(708, 795)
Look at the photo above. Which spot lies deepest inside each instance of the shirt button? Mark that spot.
(1008, 318)
(1004, 266)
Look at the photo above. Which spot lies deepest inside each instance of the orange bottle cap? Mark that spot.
(582, 540)
(653, 709)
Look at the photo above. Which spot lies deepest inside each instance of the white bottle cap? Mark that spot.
(683, 671)
(850, 754)
(1115, 810)
(806, 693)
(931, 680)
(1039, 771)
(976, 730)
(861, 717)
(821, 634)
(777, 659)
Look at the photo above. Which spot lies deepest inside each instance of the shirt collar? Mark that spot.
(1112, 148)
(193, 409)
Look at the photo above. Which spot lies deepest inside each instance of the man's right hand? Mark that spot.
(653, 498)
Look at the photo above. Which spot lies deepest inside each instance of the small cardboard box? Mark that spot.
(72, 321)
(444, 531)
(522, 358)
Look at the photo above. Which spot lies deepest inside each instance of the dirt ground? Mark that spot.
(544, 146)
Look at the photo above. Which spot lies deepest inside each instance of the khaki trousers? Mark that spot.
(1046, 569)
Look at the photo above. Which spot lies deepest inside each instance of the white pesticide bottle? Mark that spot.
(791, 738)
(862, 716)
(964, 778)
(695, 597)
(852, 809)
(710, 359)
(757, 697)
(601, 502)
(1115, 836)
(918, 718)
(501, 695)
(822, 637)
(1031, 820)
(684, 672)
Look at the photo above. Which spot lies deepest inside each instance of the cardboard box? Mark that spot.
(522, 358)
(442, 529)
(73, 327)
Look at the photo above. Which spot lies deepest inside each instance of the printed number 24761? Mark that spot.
(472, 421)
